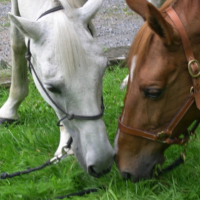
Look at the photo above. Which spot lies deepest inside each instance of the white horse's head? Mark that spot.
(70, 66)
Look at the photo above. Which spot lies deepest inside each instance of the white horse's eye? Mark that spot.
(90, 30)
(53, 89)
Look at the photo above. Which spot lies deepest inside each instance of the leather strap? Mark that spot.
(180, 114)
(193, 64)
(182, 32)
(163, 136)
(136, 132)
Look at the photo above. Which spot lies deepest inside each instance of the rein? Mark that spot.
(166, 136)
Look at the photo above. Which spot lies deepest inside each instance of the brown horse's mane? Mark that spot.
(142, 41)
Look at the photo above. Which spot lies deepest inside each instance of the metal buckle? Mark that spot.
(58, 158)
(191, 90)
(65, 150)
(183, 153)
(193, 135)
(161, 135)
(189, 68)
(183, 156)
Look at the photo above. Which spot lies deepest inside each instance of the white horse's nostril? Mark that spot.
(99, 161)
(92, 172)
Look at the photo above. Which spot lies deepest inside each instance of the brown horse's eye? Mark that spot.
(152, 93)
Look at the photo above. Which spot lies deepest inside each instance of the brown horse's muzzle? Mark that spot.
(136, 158)
(139, 168)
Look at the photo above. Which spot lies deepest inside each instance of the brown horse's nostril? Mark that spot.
(127, 175)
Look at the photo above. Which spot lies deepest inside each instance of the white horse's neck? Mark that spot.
(72, 3)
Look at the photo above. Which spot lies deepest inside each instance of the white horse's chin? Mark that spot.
(94, 154)
(70, 72)
(93, 163)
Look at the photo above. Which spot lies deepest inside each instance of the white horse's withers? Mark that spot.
(70, 66)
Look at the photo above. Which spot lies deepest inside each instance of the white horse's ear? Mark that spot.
(89, 9)
(29, 28)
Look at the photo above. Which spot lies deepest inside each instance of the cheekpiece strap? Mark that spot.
(193, 64)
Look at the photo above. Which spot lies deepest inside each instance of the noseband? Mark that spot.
(166, 136)
(32, 69)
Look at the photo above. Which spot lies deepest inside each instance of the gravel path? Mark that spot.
(4, 32)
(115, 25)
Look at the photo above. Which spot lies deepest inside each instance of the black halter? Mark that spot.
(31, 68)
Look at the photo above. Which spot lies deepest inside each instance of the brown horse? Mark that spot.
(160, 103)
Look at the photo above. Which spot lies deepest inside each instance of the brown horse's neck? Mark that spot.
(184, 5)
(188, 10)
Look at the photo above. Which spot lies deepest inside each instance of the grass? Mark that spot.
(35, 140)
(5, 25)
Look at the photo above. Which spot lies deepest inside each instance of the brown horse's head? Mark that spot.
(159, 84)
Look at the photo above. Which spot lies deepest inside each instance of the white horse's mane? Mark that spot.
(69, 50)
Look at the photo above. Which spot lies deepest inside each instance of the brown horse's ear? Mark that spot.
(138, 6)
(159, 25)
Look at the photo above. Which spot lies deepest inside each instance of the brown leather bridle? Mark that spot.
(166, 136)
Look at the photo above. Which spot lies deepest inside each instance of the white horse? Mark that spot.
(156, 3)
(70, 66)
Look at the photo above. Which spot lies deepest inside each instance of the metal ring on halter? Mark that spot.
(190, 70)
(192, 90)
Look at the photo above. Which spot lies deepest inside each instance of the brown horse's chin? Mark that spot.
(143, 171)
